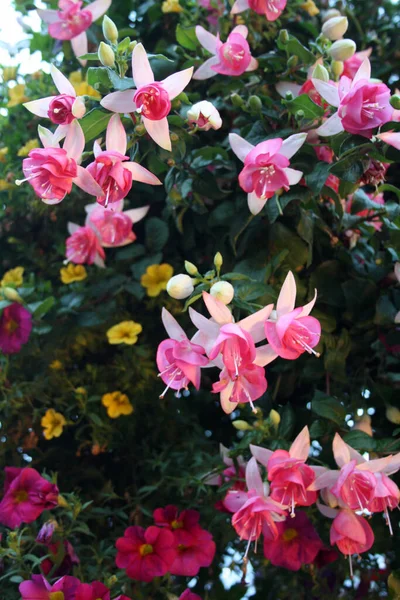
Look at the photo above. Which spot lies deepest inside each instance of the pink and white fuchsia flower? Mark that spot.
(71, 21)
(362, 104)
(61, 109)
(114, 225)
(230, 58)
(52, 170)
(272, 9)
(112, 170)
(83, 247)
(266, 167)
(152, 99)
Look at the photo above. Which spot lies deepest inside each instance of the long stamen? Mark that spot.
(388, 522)
(351, 567)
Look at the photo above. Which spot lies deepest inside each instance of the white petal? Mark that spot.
(207, 39)
(98, 8)
(119, 102)
(287, 86)
(331, 127)
(340, 451)
(240, 146)
(63, 85)
(239, 6)
(40, 108)
(292, 144)
(48, 16)
(141, 174)
(205, 71)
(241, 30)
(300, 447)
(75, 141)
(141, 69)
(172, 326)
(328, 91)
(79, 108)
(159, 132)
(307, 308)
(287, 296)
(255, 203)
(293, 175)
(253, 65)
(116, 135)
(364, 72)
(176, 83)
(80, 46)
(264, 355)
(137, 214)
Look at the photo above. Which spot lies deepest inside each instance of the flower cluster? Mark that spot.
(67, 588)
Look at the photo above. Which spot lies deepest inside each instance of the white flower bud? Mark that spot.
(335, 28)
(106, 55)
(205, 115)
(191, 268)
(342, 49)
(320, 73)
(180, 286)
(79, 108)
(330, 14)
(223, 291)
(275, 417)
(110, 30)
(337, 68)
(393, 415)
(218, 261)
(242, 426)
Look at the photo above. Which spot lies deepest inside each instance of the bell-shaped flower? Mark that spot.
(52, 170)
(152, 99)
(351, 533)
(114, 225)
(232, 57)
(363, 105)
(272, 9)
(291, 331)
(234, 472)
(266, 167)
(112, 170)
(72, 20)
(84, 246)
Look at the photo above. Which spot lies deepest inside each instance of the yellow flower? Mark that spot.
(5, 185)
(125, 332)
(309, 6)
(73, 273)
(156, 278)
(30, 145)
(81, 87)
(13, 277)
(52, 423)
(56, 365)
(171, 6)
(117, 404)
(9, 73)
(17, 95)
(3, 154)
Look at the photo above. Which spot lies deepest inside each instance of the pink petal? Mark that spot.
(389, 137)
(40, 107)
(253, 477)
(207, 39)
(287, 86)
(375, 466)
(78, 108)
(261, 454)
(254, 324)
(99, 262)
(75, 141)
(205, 71)
(63, 85)
(328, 91)
(327, 511)
(300, 448)
(176, 83)
(116, 136)
(327, 480)
(307, 308)
(80, 46)
(293, 176)
(48, 16)
(292, 144)
(332, 126)
(364, 72)
(159, 132)
(287, 296)
(227, 406)
(239, 6)
(141, 174)
(241, 30)
(265, 355)
(239, 146)
(340, 451)
(172, 326)
(393, 466)
(253, 65)
(141, 68)
(98, 8)
(255, 203)
(119, 102)
(97, 150)
(137, 214)
(86, 182)
(224, 451)
(219, 312)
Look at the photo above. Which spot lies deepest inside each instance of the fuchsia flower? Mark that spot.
(152, 99)
(291, 331)
(351, 65)
(230, 58)
(146, 553)
(15, 328)
(26, 496)
(189, 595)
(297, 544)
(266, 167)
(38, 588)
(112, 170)
(362, 104)
(178, 359)
(92, 591)
(84, 246)
(390, 137)
(52, 170)
(71, 21)
(114, 225)
(272, 9)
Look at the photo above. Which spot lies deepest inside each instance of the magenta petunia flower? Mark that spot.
(38, 588)
(189, 595)
(92, 591)
(15, 328)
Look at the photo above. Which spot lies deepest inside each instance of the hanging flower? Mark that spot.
(117, 404)
(156, 278)
(15, 328)
(53, 423)
(126, 332)
(84, 246)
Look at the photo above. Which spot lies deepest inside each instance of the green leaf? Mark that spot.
(360, 441)
(304, 103)
(157, 234)
(294, 48)
(328, 408)
(39, 309)
(288, 421)
(349, 169)
(120, 83)
(99, 77)
(186, 37)
(94, 123)
(90, 56)
(318, 176)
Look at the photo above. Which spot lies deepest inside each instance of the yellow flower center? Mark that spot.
(21, 496)
(290, 534)
(11, 326)
(176, 524)
(146, 549)
(56, 596)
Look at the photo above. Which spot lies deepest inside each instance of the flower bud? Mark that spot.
(237, 100)
(180, 286)
(11, 294)
(110, 30)
(46, 532)
(218, 261)
(395, 101)
(320, 72)
(191, 268)
(205, 116)
(223, 291)
(106, 55)
(292, 62)
(393, 415)
(337, 68)
(274, 417)
(140, 129)
(132, 45)
(255, 103)
(335, 28)
(342, 49)
(61, 501)
(283, 36)
(242, 426)
(330, 14)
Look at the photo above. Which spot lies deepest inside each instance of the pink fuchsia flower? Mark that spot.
(272, 9)
(92, 591)
(114, 225)
(178, 359)
(15, 328)
(146, 553)
(83, 247)
(26, 496)
(72, 20)
(351, 65)
(230, 58)
(351, 533)
(235, 472)
(112, 170)
(204, 115)
(362, 104)
(152, 99)
(390, 137)
(189, 595)
(297, 544)
(52, 170)
(38, 588)
(266, 167)
(248, 386)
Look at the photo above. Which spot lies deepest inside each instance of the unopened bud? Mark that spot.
(393, 415)
(330, 14)
(274, 417)
(300, 114)
(292, 62)
(289, 96)
(140, 129)
(191, 268)
(242, 426)
(61, 501)
(180, 286)
(174, 137)
(106, 55)
(320, 73)
(395, 101)
(218, 261)
(237, 100)
(223, 291)
(335, 28)
(11, 294)
(342, 49)
(255, 103)
(337, 68)
(110, 30)
(284, 36)
(132, 46)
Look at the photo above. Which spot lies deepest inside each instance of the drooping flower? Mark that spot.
(266, 167)
(232, 57)
(351, 533)
(126, 332)
(205, 116)
(38, 588)
(179, 360)
(83, 246)
(156, 279)
(362, 104)
(15, 328)
(297, 544)
(291, 331)
(351, 65)
(272, 9)
(72, 20)
(26, 495)
(16, 95)
(72, 273)
(152, 99)
(114, 225)
(14, 277)
(117, 404)
(53, 423)
(146, 553)
(92, 591)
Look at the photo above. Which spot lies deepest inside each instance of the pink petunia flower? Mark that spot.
(146, 553)
(114, 225)
(26, 495)
(15, 328)
(266, 167)
(92, 591)
(84, 246)
(297, 544)
(112, 170)
(152, 99)
(38, 588)
(232, 57)
(72, 20)
(62, 556)
(189, 595)
(272, 9)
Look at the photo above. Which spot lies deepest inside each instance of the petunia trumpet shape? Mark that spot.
(72, 20)
(152, 99)
(266, 167)
(112, 170)
(38, 588)
(291, 331)
(232, 57)
(114, 225)
(272, 9)
(362, 104)
(52, 170)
